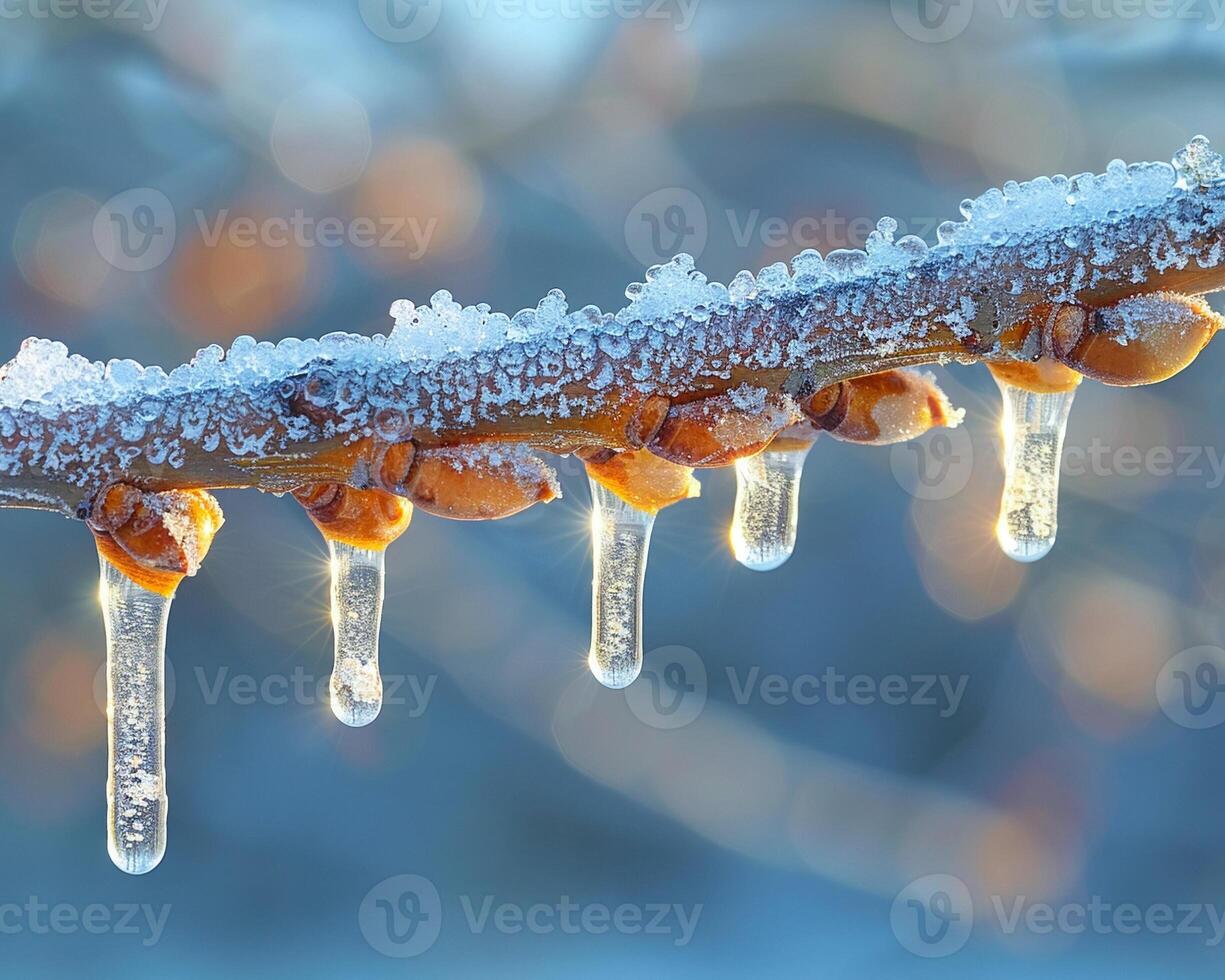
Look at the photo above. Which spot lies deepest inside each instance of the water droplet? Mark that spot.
(1034, 425)
(620, 537)
(357, 609)
(135, 620)
(767, 508)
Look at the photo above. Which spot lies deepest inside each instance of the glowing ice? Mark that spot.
(357, 608)
(620, 536)
(767, 507)
(135, 621)
(1034, 426)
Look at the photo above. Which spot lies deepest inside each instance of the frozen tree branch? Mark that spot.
(1033, 271)
(1046, 282)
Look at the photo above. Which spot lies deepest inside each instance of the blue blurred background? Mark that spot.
(499, 149)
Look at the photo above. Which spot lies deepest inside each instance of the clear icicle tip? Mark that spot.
(1034, 425)
(766, 515)
(620, 538)
(357, 609)
(135, 620)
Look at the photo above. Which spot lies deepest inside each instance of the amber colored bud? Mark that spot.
(370, 519)
(482, 482)
(114, 507)
(1139, 340)
(721, 429)
(881, 409)
(155, 580)
(155, 538)
(644, 480)
(1045, 376)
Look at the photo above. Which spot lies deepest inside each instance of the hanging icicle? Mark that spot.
(357, 610)
(620, 538)
(358, 525)
(766, 515)
(627, 491)
(1033, 424)
(135, 619)
(147, 543)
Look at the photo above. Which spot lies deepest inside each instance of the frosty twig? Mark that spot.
(1078, 268)
(1046, 282)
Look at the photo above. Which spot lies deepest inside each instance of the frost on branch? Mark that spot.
(251, 416)
(1045, 281)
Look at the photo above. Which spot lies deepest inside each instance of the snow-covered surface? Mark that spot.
(448, 366)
